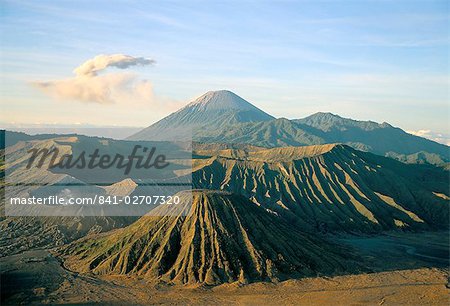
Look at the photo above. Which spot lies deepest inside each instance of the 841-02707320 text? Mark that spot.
(97, 200)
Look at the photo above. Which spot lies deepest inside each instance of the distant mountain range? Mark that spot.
(224, 117)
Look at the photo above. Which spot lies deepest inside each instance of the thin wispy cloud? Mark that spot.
(101, 62)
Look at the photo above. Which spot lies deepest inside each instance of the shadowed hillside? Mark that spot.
(332, 187)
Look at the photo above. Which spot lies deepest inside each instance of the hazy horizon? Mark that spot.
(122, 132)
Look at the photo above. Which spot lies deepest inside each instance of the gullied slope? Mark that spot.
(332, 187)
(222, 238)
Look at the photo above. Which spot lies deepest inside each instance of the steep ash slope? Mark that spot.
(219, 238)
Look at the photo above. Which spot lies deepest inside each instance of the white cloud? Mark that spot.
(438, 137)
(93, 84)
(103, 89)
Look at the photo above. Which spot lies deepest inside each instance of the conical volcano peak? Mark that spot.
(221, 100)
(211, 111)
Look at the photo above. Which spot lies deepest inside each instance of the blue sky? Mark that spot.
(378, 60)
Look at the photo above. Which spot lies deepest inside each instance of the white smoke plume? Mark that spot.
(92, 83)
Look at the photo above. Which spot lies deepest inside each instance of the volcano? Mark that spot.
(216, 238)
(214, 109)
(224, 117)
